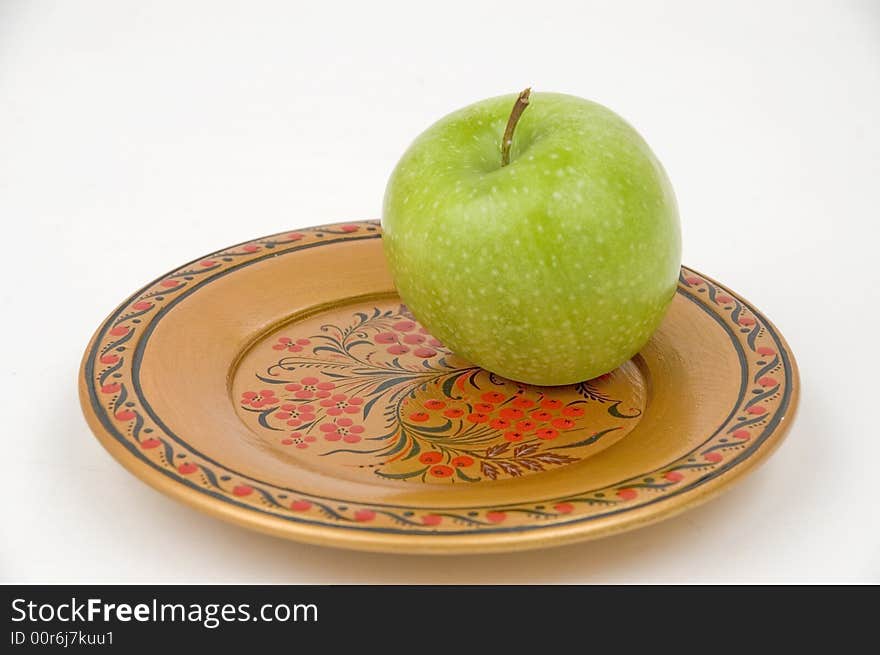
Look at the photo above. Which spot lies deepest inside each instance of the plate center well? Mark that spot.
(366, 389)
(363, 389)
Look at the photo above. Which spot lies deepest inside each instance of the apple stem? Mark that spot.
(519, 107)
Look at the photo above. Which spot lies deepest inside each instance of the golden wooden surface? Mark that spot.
(192, 354)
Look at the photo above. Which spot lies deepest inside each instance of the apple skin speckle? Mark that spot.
(551, 270)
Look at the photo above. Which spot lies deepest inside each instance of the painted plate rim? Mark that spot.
(351, 532)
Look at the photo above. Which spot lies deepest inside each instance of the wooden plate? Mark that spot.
(281, 385)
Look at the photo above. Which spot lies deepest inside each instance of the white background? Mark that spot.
(135, 136)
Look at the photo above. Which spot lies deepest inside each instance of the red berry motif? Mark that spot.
(627, 494)
(431, 519)
(187, 468)
(564, 508)
(430, 457)
(259, 399)
(364, 515)
(495, 517)
(288, 344)
(300, 505)
(242, 490)
(441, 471)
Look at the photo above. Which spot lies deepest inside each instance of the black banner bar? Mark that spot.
(246, 619)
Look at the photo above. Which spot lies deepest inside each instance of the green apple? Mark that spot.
(536, 236)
